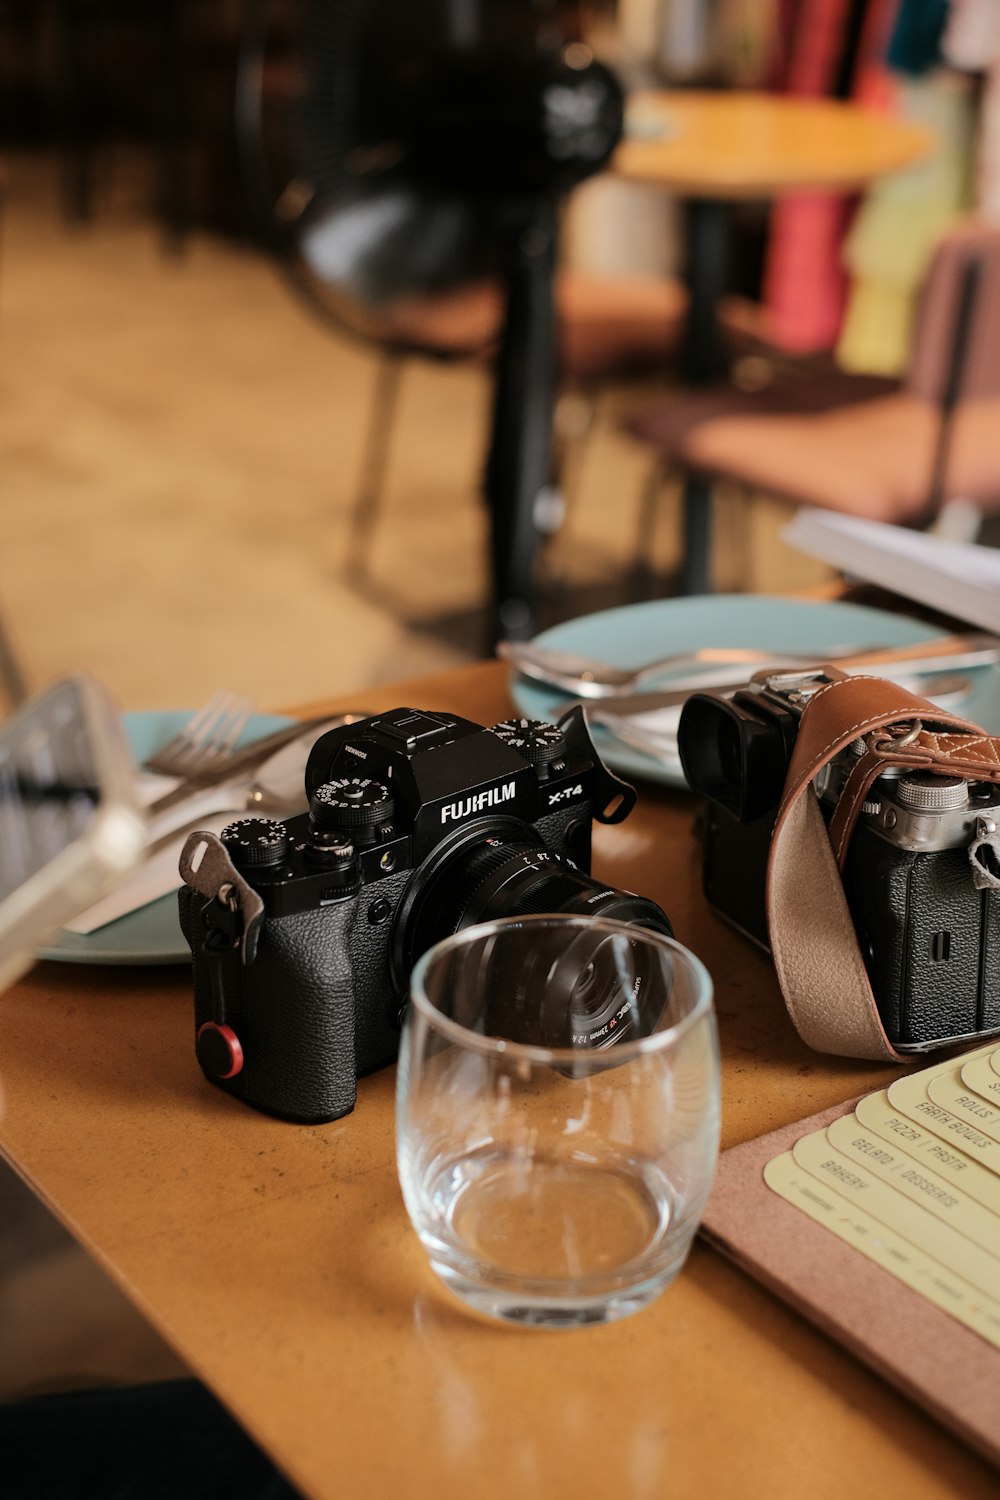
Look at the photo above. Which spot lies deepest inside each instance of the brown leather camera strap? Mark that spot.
(813, 943)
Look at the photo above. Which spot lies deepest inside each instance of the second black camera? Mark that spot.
(929, 938)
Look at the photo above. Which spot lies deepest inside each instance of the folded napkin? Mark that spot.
(653, 733)
(158, 876)
(279, 780)
(154, 878)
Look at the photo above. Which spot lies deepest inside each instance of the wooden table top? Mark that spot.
(740, 144)
(279, 1262)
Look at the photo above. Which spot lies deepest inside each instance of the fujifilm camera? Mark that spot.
(419, 824)
(929, 938)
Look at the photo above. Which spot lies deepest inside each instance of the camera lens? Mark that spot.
(593, 989)
(584, 987)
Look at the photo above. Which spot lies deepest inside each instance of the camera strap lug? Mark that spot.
(234, 912)
(984, 855)
(614, 799)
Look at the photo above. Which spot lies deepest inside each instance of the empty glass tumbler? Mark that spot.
(557, 1114)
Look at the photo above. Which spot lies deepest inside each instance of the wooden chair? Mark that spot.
(609, 328)
(857, 445)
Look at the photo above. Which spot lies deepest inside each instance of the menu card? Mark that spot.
(880, 1220)
(958, 578)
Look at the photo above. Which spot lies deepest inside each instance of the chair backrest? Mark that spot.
(955, 351)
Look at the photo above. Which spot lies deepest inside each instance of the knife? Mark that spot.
(677, 694)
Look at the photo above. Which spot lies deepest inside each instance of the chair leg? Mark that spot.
(368, 500)
(958, 521)
(171, 122)
(572, 441)
(734, 527)
(744, 498)
(642, 572)
(696, 563)
(12, 679)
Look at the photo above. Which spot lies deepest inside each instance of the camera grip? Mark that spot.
(299, 1044)
(292, 1010)
(928, 939)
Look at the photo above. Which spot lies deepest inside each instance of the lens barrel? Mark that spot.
(589, 998)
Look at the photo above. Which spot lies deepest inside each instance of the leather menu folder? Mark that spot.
(934, 1360)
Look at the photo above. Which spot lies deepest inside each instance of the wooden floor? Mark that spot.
(180, 446)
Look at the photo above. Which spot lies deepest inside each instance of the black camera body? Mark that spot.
(929, 938)
(420, 824)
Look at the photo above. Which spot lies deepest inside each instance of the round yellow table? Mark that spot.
(711, 149)
(278, 1260)
(750, 145)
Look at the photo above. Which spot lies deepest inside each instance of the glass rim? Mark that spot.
(619, 1052)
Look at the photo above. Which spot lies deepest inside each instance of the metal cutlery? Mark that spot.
(715, 667)
(637, 704)
(267, 777)
(208, 736)
(588, 677)
(248, 758)
(631, 717)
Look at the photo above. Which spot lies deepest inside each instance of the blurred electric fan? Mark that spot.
(400, 151)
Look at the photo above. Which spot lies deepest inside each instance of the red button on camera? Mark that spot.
(219, 1050)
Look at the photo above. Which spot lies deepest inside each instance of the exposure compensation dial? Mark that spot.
(540, 743)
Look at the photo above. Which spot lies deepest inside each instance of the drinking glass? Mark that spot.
(557, 1117)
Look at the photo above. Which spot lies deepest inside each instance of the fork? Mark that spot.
(205, 741)
(247, 760)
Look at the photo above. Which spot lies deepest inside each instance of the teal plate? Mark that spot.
(151, 935)
(639, 632)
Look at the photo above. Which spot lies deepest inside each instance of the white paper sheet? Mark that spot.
(958, 578)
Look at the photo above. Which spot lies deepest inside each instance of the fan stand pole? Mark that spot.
(519, 463)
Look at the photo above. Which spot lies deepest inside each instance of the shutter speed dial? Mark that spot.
(540, 743)
(354, 804)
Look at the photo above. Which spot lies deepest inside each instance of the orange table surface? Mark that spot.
(741, 144)
(279, 1262)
